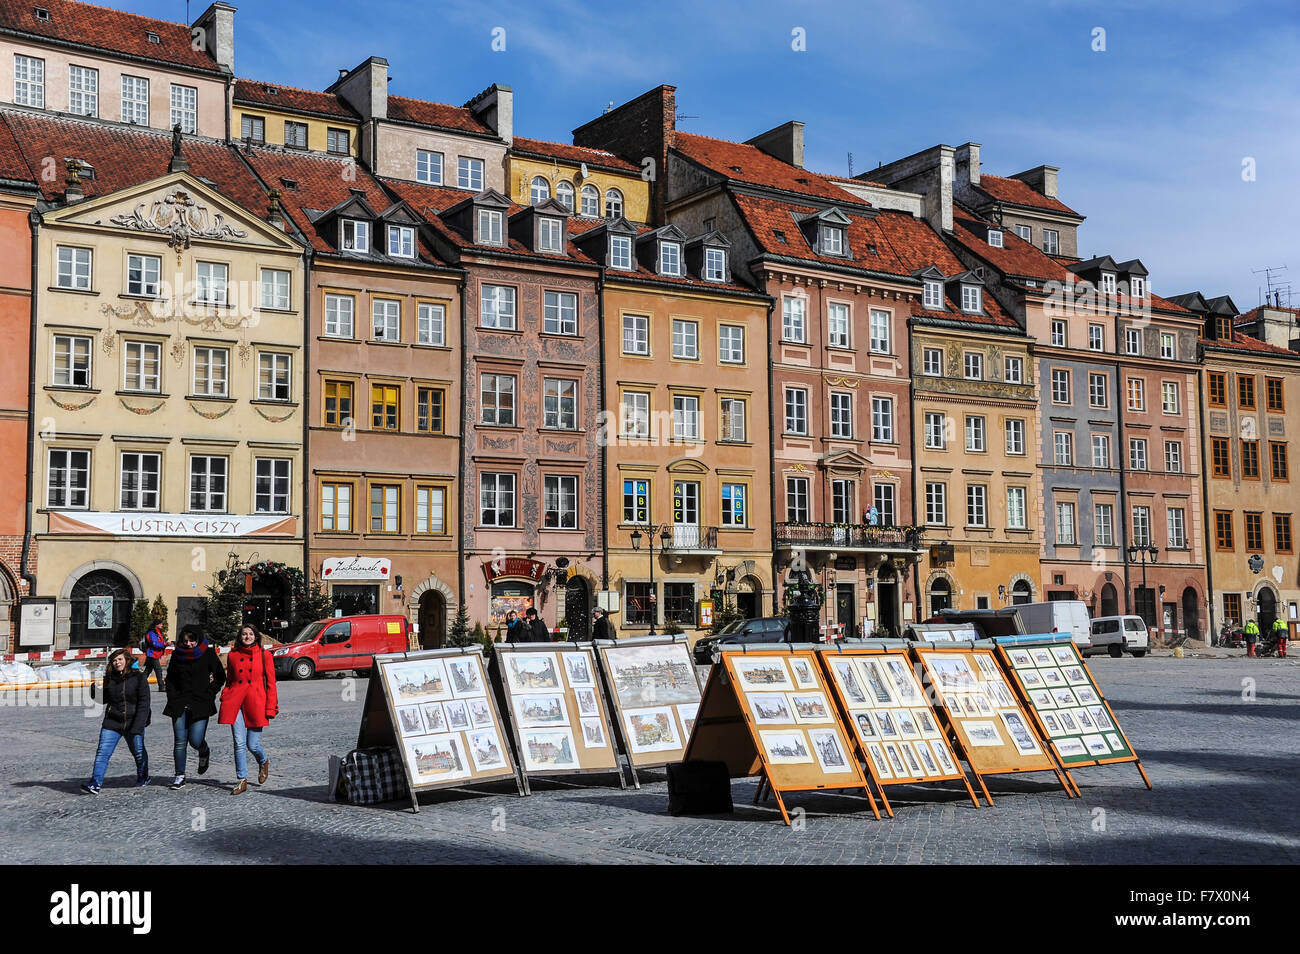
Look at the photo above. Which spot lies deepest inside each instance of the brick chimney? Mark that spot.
(495, 108)
(641, 129)
(1042, 179)
(365, 88)
(785, 142)
(217, 24)
(929, 172)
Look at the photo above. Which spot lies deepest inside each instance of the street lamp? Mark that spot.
(650, 531)
(1136, 554)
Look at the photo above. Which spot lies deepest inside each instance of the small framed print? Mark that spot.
(900, 674)
(1042, 658)
(434, 721)
(1074, 675)
(983, 733)
(907, 726)
(1085, 695)
(1096, 745)
(1069, 748)
(941, 756)
(762, 674)
(830, 754)
(1019, 732)
(577, 667)
(1067, 721)
(810, 708)
(770, 708)
(1052, 678)
(969, 707)
(1085, 721)
(1020, 659)
(925, 722)
(411, 723)
(885, 723)
(1116, 743)
(1064, 698)
(804, 677)
(874, 674)
(909, 756)
(1030, 678)
(593, 734)
(1064, 655)
(784, 747)
(1052, 723)
(927, 760)
(846, 677)
(1042, 699)
(983, 703)
(988, 666)
(458, 714)
(587, 706)
(879, 761)
(895, 760)
(480, 713)
(866, 728)
(1100, 717)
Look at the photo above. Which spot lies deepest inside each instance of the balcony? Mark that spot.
(683, 538)
(849, 537)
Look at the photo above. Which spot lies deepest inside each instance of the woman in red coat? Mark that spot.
(248, 703)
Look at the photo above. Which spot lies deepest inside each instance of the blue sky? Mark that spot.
(1150, 135)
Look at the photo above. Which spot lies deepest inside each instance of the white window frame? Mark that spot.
(636, 332)
(431, 324)
(977, 505)
(1013, 370)
(135, 99)
(211, 384)
(932, 362)
(69, 345)
(1101, 442)
(1063, 449)
(74, 267)
(1060, 330)
(882, 420)
(560, 404)
(634, 413)
(561, 489)
(428, 166)
(490, 225)
(686, 339)
(1103, 525)
(670, 258)
(973, 366)
(1170, 400)
(731, 344)
(613, 203)
(932, 295)
(1108, 283)
(1132, 340)
(142, 353)
(564, 193)
(359, 238)
(211, 283)
(83, 90)
(732, 427)
(1051, 241)
(620, 252)
(279, 471)
(281, 368)
(550, 234)
(796, 411)
(1065, 524)
(936, 503)
(882, 339)
(214, 501)
(936, 430)
(837, 325)
(497, 307)
(715, 264)
(976, 438)
(501, 488)
(1173, 457)
(1098, 393)
(139, 498)
(560, 313)
(1137, 454)
(275, 284)
(797, 501)
(1096, 337)
(500, 412)
(995, 238)
(29, 81)
(841, 415)
(539, 190)
(589, 202)
(1141, 526)
(1014, 430)
(971, 299)
(1168, 346)
(67, 495)
(401, 241)
(342, 323)
(832, 240)
(1060, 378)
(1017, 500)
(686, 417)
(1176, 528)
(469, 173)
(184, 107)
(794, 319)
(1025, 232)
(385, 319)
(148, 268)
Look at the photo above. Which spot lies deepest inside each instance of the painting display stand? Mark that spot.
(766, 711)
(436, 708)
(1066, 704)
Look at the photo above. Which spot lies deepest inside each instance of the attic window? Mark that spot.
(970, 299)
(359, 193)
(801, 180)
(832, 242)
(42, 14)
(780, 236)
(995, 238)
(289, 183)
(354, 235)
(207, 182)
(735, 168)
(85, 170)
(270, 91)
(153, 38)
(871, 247)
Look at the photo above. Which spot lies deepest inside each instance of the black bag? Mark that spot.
(699, 788)
(370, 776)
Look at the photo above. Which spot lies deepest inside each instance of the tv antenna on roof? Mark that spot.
(1275, 293)
(678, 117)
(850, 165)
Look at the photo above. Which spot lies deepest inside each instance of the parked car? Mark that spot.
(765, 629)
(1058, 616)
(1120, 634)
(342, 642)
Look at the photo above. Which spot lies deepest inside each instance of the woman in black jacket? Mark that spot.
(126, 713)
(194, 677)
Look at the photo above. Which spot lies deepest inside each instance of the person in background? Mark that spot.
(1280, 633)
(126, 713)
(249, 703)
(535, 630)
(604, 627)
(1252, 636)
(194, 677)
(515, 628)
(155, 644)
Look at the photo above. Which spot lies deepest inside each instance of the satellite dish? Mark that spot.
(582, 174)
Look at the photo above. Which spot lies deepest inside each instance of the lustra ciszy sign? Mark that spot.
(173, 524)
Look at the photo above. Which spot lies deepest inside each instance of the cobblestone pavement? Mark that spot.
(1223, 767)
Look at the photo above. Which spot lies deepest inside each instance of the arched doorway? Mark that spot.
(1109, 600)
(432, 618)
(1266, 609)
(1021, 593)
(577, 609)
(747, 597)
(101, 603)
(887, 599)
(940, 595)
(1191, 613)
(7, 615)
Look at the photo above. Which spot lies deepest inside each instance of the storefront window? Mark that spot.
(517, 596)
(639, 608)
(679, 603)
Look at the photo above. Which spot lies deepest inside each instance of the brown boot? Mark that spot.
(263, 772)
(241, 788)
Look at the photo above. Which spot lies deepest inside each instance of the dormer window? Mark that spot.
(971, 299)
(1138, 286)
(995, 238)
(153, 38)
(1223, 328)
(933, 294)
(832, 240)
(1108, 283)
(42, 14)
(620, 252)
(401, 241)
(715, 265)
(670, 258)
(356, 236)
(489, 227)
(550, 234)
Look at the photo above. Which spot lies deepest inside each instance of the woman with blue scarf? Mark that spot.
(194, 677)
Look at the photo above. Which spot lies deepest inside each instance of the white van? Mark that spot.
(1120, 634)
(1058, 616)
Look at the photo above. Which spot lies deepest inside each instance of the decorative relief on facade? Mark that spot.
(142, 410)
(500, 443)
(181, 218)
(211, 415)
(72, 407)
(1218, 421)
(561, 447)
(274, 420)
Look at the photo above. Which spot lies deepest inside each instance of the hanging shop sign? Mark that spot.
(356, 568)
(514, 567)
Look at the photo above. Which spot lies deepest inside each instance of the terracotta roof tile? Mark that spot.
(276, 96)
(1244, 342)
(1016, 257)
(424, 113)
(566, 153)
(13, 164)
(750, 164)
(1247, 317)
(1020, 193)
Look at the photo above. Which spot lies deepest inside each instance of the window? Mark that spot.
(842, 501)
(1104, 525)
(385, 508)
(135, 100)
(1137, 400)
(1051, 241)
(212, 280)
(731, 344)
(685, 339)
(732, 426)
(670, 258)
(1016, 519)
(338, 315)
(995, 238)
(792, 319)
(1065, 524)
(1015, 434)
(72, 268)
(1232, 607)
(1108, 283)
(883, 497)
(564, 194)
(715, 265)
(1220, 457)
(83, 91)
(428, 166)
(208, 484)
(497, 307)
(489, 227)
(1246, 391)
(497, 500)
(560, 502)
(539, 190)
(142, 366)
(1100, 450)
(273, 376)
(796, 499)
(1063, 442)
(837, 326)
(469, 173)
(796, 411)
(1058, 333)
(975, 434)
(932, 362)
(613, 204)
(974, 366)
(1060, 386)
(1218, 387)
(1097, 390)
(430, 410)
(401, 241)
(560, 313)
(1013, 370)
(936, 503)
(252, 127)
(29, 81)
(1274, 394)
(932, 296)
(338, 141)
(338, 403)
(590, 201)
(620, 252)
(550, 234)
(142, 275)
(636, 334)
(560, 404)
(1142, 526)
(970, 298)
(1223, 530)
(1133, 340)
(295, 135)
(636, 414)
(1282, 532)
(185, 108)
(1254, 523)
(430, 510)
(1025, 232)
(679, 603)
(385, 407)
(882, 420)
(431, 324)
(271, 486)
(1250, 460)
(1169, 402)
(842, 415)
(1177, 528)
(1173, 457)
(498, 399)
(636, 501)
(275, 288)
(976, 505)
(832, 240)
(336, 508)
(386, 320)
(1096, 338)
(354, 236)
(1138, 286)
(640, 610)
(1278, 462)
(1137, 453)
(880, 337)
(686, 418)
(211, 372)
(733, 505)
(935, 431)
(68, 479)
(139, 485)
(1167, 348)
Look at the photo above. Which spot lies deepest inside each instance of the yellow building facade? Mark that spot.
(300, 119)
(591, 183)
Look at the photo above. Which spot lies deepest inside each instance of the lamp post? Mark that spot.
(1136, 554)
(650, 530)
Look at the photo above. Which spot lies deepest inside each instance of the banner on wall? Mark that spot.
(173, 524)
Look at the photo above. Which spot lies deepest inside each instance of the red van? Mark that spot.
(342, 642)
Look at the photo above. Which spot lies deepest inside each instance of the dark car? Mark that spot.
(767, 629)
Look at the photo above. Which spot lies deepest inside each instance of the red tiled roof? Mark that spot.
(686, 281)
(566, 153)
(865, 182)
(13, 165)
(103, 29)
(1244, 342)
(1247, 317)
(424, 113)
(750, 164)
(1020, 193)
(258, 93)
(1016, 257)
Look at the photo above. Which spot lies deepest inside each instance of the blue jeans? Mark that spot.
(108, 740)
(246, 738)
(188, 730)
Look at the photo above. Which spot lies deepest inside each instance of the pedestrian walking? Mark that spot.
(194, 677)
(249, 703)
(1281, 630)
(515, 631)
(126, 713)
(154, 645)
(604, 627)
(1252, 636)
(536, 630)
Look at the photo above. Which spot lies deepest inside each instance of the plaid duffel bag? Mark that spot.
(370, 776)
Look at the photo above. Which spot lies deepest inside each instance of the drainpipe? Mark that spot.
(771, 456)
(460, 496)
(306, 414)
(919, 610)
(1205, 513)
(34, 222)
(1121, 453)
(602, 489)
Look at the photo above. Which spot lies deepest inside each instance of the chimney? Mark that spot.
(1042, 179)
(641, 129)
(365, 88)
(216, 32)
(930, 173)
(785, 142)
(72, 191)
(966, 164)
(495, 108)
